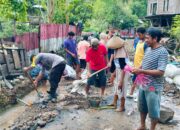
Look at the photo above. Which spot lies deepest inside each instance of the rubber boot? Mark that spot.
(122, 106)
(114, 103)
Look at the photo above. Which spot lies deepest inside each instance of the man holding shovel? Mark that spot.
(55, 65)
(96, 58)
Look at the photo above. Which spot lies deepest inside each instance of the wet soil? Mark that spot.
(74, 113)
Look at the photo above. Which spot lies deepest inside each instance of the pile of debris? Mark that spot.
(8, 96)
(35, 117)
(172, 75)
(172, 80)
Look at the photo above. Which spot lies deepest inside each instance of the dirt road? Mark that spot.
(72, 114)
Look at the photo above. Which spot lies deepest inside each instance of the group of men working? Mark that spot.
(150, 59)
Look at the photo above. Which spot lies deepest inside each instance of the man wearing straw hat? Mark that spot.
(96, 58)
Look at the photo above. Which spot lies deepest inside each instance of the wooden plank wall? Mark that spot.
(12, 61)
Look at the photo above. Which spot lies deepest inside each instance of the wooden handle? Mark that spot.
(98, 71)
(95, 73)
(27, 74)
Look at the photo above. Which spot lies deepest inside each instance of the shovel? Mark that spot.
(29, 77)
(95, 73)
(80, 85)
(27, 104)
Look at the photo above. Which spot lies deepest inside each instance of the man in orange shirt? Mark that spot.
(82, 47)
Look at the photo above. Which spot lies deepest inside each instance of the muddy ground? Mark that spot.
(73, 112)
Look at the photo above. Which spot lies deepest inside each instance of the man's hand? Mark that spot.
(88, 74)
(109, 64)
(137, 71)
(35, 84)
(25, 69)
(73, 55)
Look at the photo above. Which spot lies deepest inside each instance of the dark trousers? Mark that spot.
(55, 77)
(82, 63)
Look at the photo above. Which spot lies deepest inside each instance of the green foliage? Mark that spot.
(76, 10)
(60, 12)
(8, 29)
(116, 13)
(175, 30)
(13, 10)
(139, 8)
(79, 10)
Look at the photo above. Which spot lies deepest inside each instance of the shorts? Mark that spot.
(149, 102)
(117, 91)
(120, 63)
(72, 61)
(82, 63)
(98, 80)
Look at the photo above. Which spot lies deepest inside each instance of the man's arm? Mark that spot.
(38, 78)
(26, 69)
(72, 54)
(88, 69)
(148, 72)
(111, 58)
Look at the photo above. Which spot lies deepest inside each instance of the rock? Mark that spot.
(34, 127)
(30, 123)
(166, 114)
(41, 123)
(53, 114)
(14, 128)
(16, 81)
(20, 125)
(21, 77)
(109, 128)
(170, 94)
(24, 128)
(97, 117)
(51, 120)
(172, 91)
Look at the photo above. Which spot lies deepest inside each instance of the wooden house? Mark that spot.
(161, 12)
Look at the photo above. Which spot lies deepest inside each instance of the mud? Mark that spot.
(8, 96)
(73, 112)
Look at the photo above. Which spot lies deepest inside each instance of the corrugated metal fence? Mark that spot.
(51, 38)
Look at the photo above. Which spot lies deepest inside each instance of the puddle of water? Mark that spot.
(7, 117)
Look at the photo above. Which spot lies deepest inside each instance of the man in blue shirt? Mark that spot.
(71, 53)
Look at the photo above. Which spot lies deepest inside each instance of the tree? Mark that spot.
(75, 10)
(116, 13)
(139, 8)
(175, 31)
(79, 10)
(14, 10)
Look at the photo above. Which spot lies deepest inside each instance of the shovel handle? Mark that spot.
(27, 74)
(95, 73)
(20, 100)
(98, 71)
